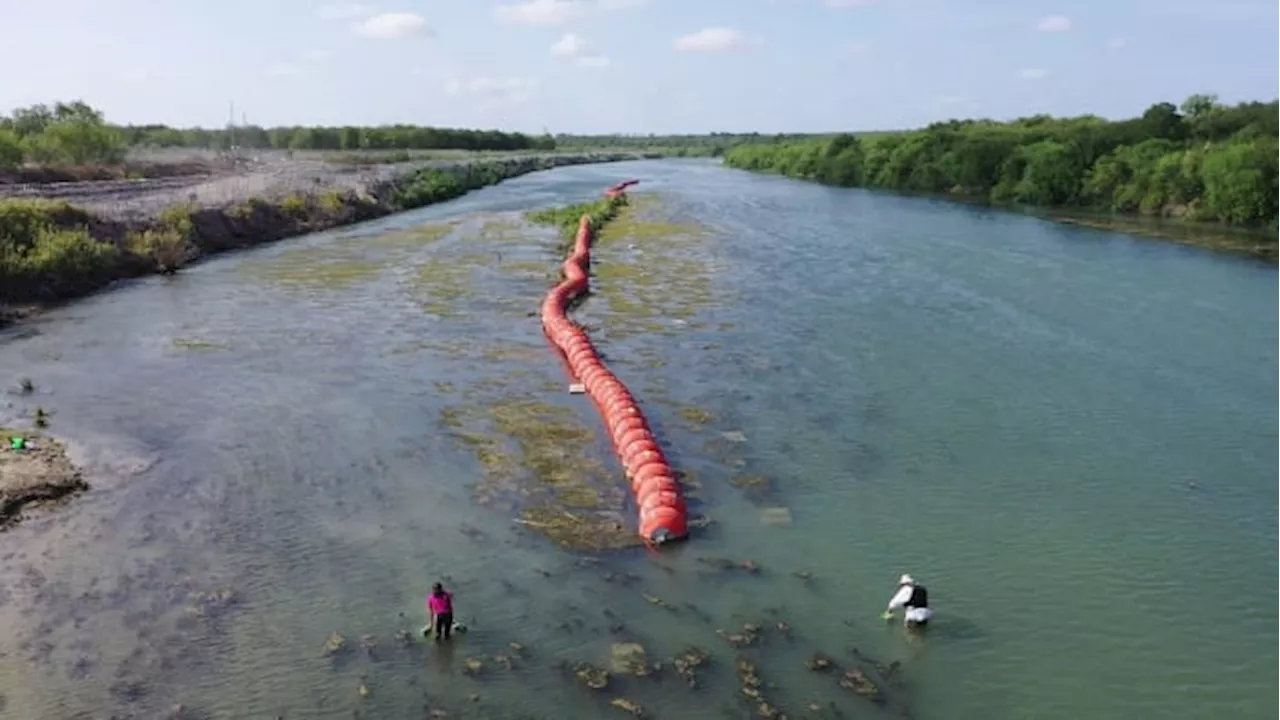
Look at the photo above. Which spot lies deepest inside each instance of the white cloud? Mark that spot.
(1054, 23)
(610, 5)
(836, 4)
(1117, 43)
(508, 90)
(857, 48)
(568, 45)
(573, 46)
(1034, 74)
(712, 39)
(544, 13)
(389, 26)
(315, 56)
(343, 12)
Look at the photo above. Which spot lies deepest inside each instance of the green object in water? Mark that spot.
(886, 615)
(17, 443)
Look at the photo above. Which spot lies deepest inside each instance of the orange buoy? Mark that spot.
(662, 509)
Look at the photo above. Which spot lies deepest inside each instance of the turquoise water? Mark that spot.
(1068, 435)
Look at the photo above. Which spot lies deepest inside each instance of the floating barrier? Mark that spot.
(664, 516)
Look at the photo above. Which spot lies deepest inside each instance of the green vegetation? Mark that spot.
(712, 145)
(46, 249)
(392, 137)
(66, 134)
(1208, 162)
(568, 217)
(52, 250)
(76, 134)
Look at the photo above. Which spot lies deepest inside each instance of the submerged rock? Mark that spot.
(335, 644)
(688, 661)
(592, 676)
(856, 681)
(631, 706)
(629, 659)
(818, 662)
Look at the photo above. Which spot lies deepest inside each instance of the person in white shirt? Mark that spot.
(913, 597)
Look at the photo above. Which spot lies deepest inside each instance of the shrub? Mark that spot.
(11, 154)
(295, 205)
(45, 247)
(166, 248)
(332, 201)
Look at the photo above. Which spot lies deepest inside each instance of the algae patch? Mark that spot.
(533, 460)
(199, 344)
(315, 268)
(652, 275)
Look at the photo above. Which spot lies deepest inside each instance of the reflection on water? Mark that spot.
(1063, 438)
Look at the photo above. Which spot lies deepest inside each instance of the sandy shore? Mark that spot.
(38, 474)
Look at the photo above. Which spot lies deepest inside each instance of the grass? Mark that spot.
(567, 218)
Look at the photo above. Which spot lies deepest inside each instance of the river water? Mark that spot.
(1068, 435)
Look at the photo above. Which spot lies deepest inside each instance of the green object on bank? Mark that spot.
(17, 443)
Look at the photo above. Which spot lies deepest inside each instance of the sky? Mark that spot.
(632, 66)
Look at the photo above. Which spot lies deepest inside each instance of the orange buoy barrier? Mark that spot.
(663, 514)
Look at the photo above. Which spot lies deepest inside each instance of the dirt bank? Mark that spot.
(265, 176)
(161, 225)
(38, 474)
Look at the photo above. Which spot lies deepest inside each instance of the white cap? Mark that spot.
(906, 580)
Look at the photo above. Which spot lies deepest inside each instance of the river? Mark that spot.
(1068, 435)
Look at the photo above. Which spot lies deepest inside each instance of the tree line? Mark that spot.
(74, 133)
(1203, 161)
(712, 145)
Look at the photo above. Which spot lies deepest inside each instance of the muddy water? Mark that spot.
(1068, 435)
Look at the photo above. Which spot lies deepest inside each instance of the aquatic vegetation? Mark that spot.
(695, 415)
(406, 238)
(654, 276)
(199, 344)
(501, 229)
(314, 268)
(531, 454)
(566, 218)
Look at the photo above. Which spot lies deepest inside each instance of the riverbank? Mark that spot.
(34, 471)
(1211, 167)
(64, 243)
(1253, 242)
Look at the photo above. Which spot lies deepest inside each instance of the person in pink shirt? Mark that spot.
(440, 606)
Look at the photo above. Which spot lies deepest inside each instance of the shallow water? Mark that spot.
(1069, 435)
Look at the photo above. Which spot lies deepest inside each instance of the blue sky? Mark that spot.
(643, 66)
